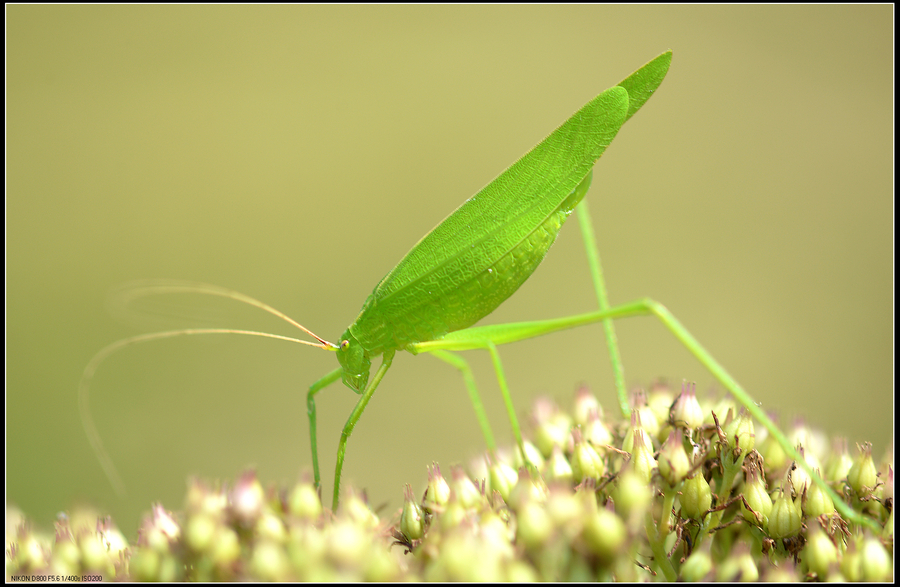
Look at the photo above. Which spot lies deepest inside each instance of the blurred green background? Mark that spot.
(295, 153)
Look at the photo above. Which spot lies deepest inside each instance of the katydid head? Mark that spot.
(355, 362)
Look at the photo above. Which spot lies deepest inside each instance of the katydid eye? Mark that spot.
(345, 344)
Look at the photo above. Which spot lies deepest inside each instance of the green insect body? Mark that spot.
(465, 268)
(480, 254)
(468, 286)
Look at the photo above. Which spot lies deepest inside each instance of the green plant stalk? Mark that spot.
(660, 558)
(730, 470)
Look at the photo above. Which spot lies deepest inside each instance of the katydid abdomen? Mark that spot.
(449, 298)
(481, 253)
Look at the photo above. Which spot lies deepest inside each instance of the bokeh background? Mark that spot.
(295, 153)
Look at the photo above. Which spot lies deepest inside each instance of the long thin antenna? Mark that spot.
(139, 289)
(143, 288)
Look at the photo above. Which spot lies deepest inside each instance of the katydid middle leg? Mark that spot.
(463, 366)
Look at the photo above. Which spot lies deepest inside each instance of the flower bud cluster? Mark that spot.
(598, 495)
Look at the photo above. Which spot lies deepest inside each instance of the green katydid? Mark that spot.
(465, 268)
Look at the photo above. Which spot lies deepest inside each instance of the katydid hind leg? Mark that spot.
(612, 344)
(507, 399)
(488, 336)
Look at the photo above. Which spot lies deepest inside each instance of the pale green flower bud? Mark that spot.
(269, 562)
(686, 411)
(502, 477)
(437, 494)
(784, 519)
(799, 478)
(674, 464)
(467, 493)
(247, 498)
(863, 476)
(635, 429)
(551, 426)
(697, 566)
(202, 499)
(270, 526)
(839, 461)
(355, 509)
(558, 467)
(605, 534)
(738, 565)
(820, 552)
(851, 561)
(642, 461)
(648, 420)
(93, 553)
(200, 532)
(527, 490)
(757, 498)
(533, 456)
(632, 493)
(534, 527)
(876, 564)
(303, 501)
(159, 530)
(226, 548)
(771, 451)
(814, 441)
(817, 502)
(660, 399)
(586, 463)
(412, 519)
(696, 497)
(586, 403)
(739, 434)
(597, 433)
